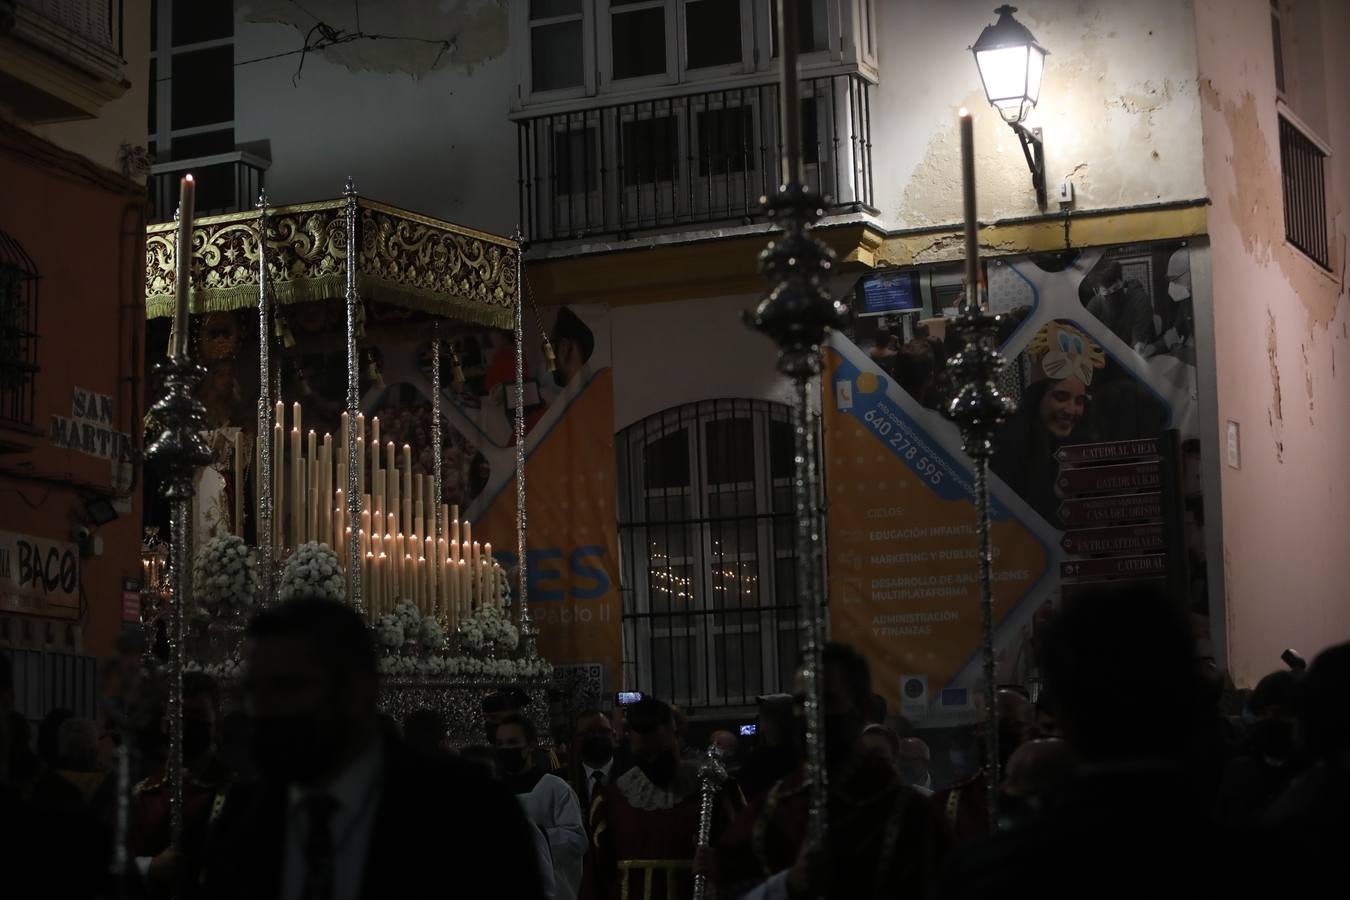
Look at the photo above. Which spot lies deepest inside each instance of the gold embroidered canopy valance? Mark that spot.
(405, 259)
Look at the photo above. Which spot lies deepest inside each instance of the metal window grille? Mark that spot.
(709, 561)
(688, 159)
(18, 332)
(1303, 166)
(227, 182)
(45, 680)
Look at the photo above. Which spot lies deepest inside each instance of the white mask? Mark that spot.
(1178, 291)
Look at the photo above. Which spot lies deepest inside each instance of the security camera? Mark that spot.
(82, 533)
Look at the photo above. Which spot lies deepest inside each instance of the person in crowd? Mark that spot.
(728, 744)
(343, 811)
(1037, 780)
(1268, 761)
(916, 371)
(914, 758)
(1122, 305)
(877, 709)
(24, 764)
(1121, 677)
(594, 747)
(549, 802)
(234, 745)
(486, 757)
(966, 803)
(512, 701)
(206, 782)
(884, 840)
(777, 751)
(646, 825)
(425, 731)
(1312, 809)
(881, 741)
(75, 799)
(573, 344)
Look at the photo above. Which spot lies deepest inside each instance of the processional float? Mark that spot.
(350, 515)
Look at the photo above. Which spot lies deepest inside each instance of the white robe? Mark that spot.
(553, 806)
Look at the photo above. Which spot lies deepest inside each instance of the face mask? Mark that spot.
(1178, 291)
(197, 737)
(511, 760)
(597, 750)
(290, 748)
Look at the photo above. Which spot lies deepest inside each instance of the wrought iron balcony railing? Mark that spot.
(688, 159)
(226, 183)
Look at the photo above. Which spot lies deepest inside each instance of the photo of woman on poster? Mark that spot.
(1051, 413)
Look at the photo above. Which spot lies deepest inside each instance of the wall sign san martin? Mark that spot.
(39, 576)
(89, 428)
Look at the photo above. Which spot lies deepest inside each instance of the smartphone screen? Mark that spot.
(747, 730)
(627, 698)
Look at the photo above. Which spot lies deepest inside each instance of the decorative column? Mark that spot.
(353, 401)
(179, 450)
(522, 579)
(797, 315)
(262, 480)
(979, 407)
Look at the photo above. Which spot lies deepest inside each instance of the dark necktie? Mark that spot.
(597, 784)
(319, 847)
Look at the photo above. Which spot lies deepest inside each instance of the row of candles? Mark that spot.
(402, 557)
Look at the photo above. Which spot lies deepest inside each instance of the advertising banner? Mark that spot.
(1094, 477)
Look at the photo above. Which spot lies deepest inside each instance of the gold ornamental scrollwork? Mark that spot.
(405, 259)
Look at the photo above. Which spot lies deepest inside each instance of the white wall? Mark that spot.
(1282, 346)
(437, 142)
(1119, 108)
(669, 354)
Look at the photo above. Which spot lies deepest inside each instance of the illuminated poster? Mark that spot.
(1093, 477)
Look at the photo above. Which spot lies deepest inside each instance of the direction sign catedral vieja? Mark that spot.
(1115, 509)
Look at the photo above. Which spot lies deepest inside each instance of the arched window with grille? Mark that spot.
(707, 535)
(18, 333)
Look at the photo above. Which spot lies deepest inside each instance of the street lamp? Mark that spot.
(1011, 64)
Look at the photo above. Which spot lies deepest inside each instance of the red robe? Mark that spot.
(637, 821)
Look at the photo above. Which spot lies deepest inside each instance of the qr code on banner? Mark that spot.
(583, 684)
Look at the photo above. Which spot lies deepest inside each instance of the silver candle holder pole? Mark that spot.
(353, 399)
(797, 315)
(266, 414)
(979, 407)
(179, 450)
(522, 582)
(712, 775)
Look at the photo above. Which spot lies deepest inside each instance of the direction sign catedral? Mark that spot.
(1120, 539)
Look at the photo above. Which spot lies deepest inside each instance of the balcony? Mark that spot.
(60, 59)
(696, 159)
(226, 183)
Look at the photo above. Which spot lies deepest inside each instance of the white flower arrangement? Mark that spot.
(312, 570)
(407, 632)
(225, 577)
(230, 670)
(489, 626)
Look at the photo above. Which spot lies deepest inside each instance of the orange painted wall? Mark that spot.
(83, 227)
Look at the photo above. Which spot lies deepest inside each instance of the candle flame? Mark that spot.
(188, 177)
(963, 112)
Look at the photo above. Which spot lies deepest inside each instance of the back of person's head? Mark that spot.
(200, 686)
(649, 714)
(482, 756)
(568, 326)
(879, 737)
(1275, 695)
(49, 734)
(855, 678)
(516, 720)
(775, 720)
(77, 745)
(425, 731)
(336, 632)
(1121, 676)
(1325, 706)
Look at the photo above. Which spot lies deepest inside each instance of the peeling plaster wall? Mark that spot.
(436, 141)
(1118, 108)
(1282, 344)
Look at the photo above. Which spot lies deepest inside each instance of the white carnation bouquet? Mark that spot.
(229, 671)
(225, 577)
(489, 626)
(414, 643)
(312, 571)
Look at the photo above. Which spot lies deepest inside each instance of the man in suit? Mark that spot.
(343, 812)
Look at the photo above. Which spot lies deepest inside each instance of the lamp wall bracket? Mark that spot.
(1033, 148)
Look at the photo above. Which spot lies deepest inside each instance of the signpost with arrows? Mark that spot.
(1121, 511)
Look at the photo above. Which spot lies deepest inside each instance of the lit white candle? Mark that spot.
(183, 266)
